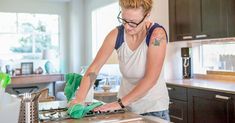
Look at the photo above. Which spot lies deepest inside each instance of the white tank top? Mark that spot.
(132, 66)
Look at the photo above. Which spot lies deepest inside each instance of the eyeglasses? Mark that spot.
(131, 24)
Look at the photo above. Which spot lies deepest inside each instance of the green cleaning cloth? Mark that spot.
(78, 111)
(5, 80)
(73, 80)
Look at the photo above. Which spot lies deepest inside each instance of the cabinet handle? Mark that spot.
(201, 36)
(187, 37)
(222, 97)
(169, 89)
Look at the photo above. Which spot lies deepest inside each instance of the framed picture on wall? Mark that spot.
(26, 68)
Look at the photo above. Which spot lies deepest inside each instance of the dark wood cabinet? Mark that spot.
(178, 111)
(210, 107)
(213, 18)
(178, 104)
(190, 105)
(231, 18)
(201, 19)
(180, 19)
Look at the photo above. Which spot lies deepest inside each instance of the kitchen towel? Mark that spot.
(73, 81)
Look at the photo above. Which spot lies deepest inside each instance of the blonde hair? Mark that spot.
(133, 4)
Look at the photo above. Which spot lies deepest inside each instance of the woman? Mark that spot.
(141, 48)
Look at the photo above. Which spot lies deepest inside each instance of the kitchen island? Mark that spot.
(55, 112)
(127, 117)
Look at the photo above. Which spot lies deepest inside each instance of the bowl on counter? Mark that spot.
(106, 88)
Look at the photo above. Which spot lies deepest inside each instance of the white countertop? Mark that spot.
(213, 85)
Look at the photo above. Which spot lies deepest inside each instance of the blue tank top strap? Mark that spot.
(150, 31)
(120, 37)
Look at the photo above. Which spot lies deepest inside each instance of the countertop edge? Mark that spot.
(210, 85)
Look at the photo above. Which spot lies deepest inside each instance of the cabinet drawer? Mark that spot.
(177, 92)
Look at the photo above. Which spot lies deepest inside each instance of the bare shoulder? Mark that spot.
(110, 39)
(158, 37)
(113, 33)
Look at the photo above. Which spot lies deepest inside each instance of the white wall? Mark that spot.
(76, 46)
(91, 5)
(160, 12)
(46, 7)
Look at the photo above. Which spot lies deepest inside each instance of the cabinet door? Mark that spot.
(178, 111)
(213, 19)
(180, 12)
(231, 18)
(210, 107)
(199, 19)
(177, 92)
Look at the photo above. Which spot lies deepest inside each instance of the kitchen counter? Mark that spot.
(54, 110)
(127, 117)
(213, 85)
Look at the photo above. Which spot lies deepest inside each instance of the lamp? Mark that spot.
(48, 55)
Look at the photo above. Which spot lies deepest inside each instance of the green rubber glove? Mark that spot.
(5, 80)
(78, 111)
(73, 81)
(92, 106)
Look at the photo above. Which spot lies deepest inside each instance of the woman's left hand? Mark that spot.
(108, 107)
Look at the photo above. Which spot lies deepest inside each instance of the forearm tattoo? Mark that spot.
(92, 77)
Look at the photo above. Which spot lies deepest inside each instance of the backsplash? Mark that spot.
(173, 63)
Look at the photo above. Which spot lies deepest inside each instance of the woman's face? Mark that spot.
(133, 20)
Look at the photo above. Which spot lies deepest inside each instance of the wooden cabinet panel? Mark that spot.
(180, 19)
(178, 103)
(201, 19)
(231, 18)
(214, 18)
(178, 111)
(177, 92)
(210, 107)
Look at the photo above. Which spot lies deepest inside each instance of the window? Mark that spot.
(215, 57)
(104, 20)
(24, 36)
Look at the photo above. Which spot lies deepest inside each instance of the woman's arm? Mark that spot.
(89, 77)
(155, 59)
